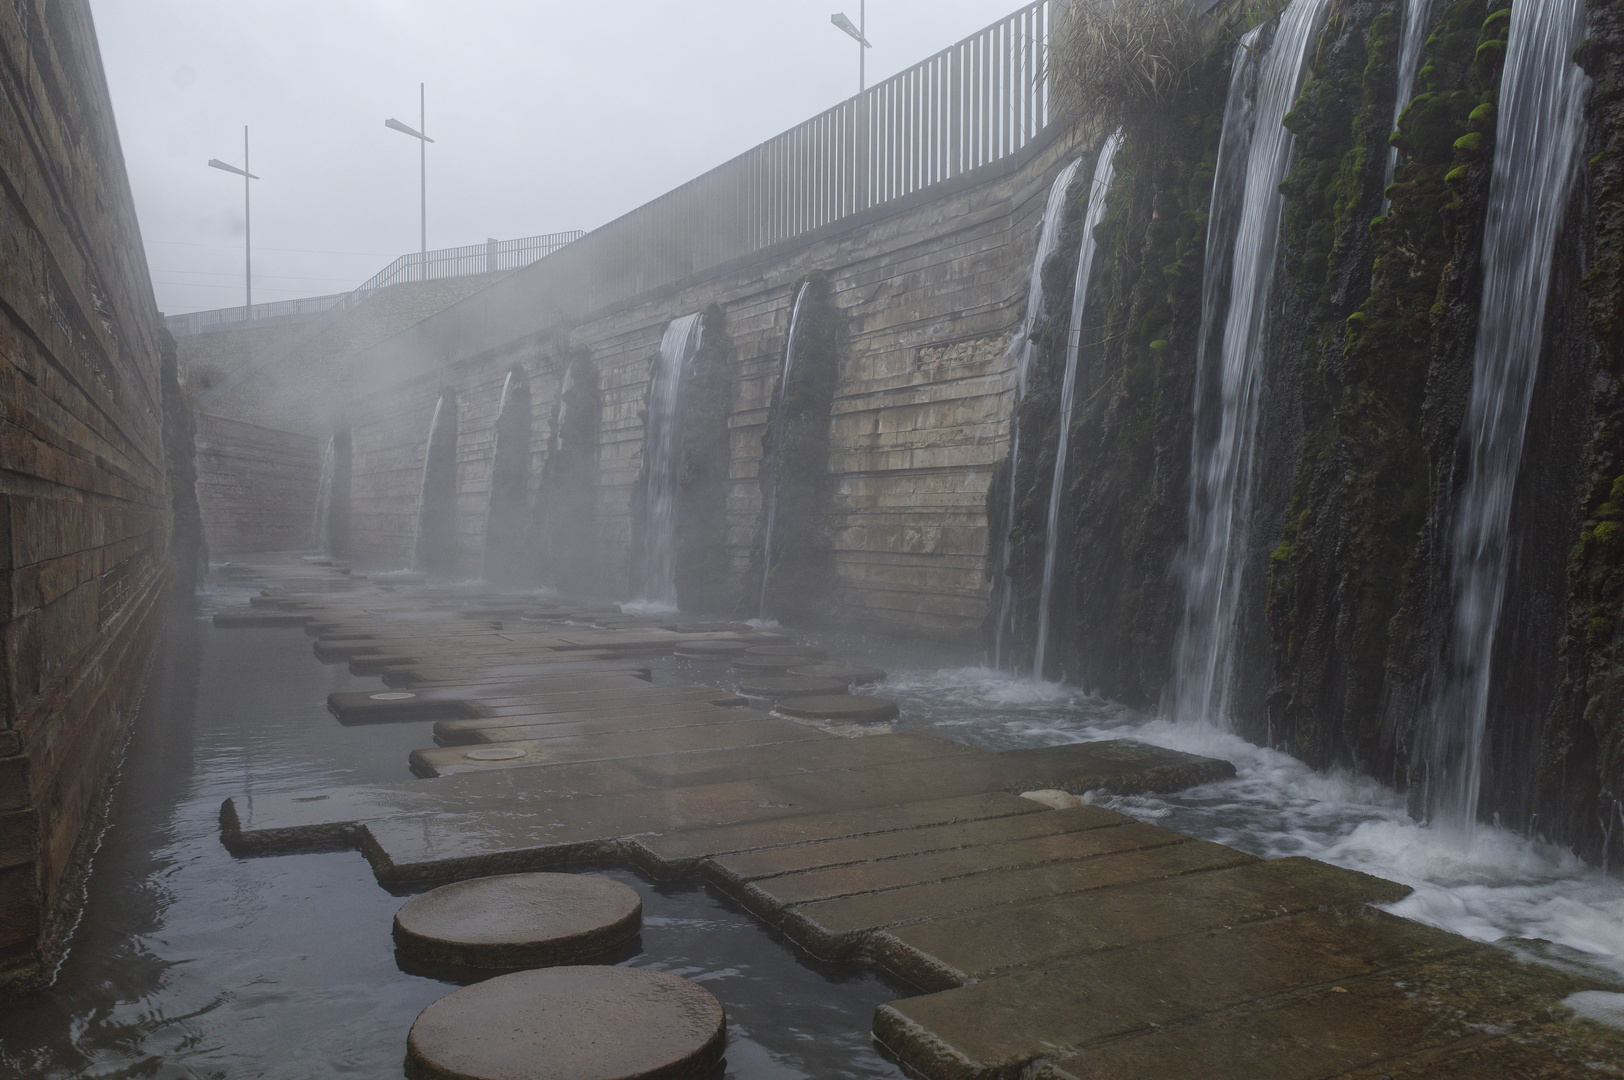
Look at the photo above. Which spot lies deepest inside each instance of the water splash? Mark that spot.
(324, 499)
(1252, 162)
(496, 457)
(1104, 173)
(564, 386)
(662, 460)
(1501, 886)
(779, 422)
(1541, 119)
(1048, 242)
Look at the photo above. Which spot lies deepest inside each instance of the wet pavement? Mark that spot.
(189, 962)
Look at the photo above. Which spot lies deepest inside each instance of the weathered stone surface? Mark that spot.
(790, 686)
(816, 652)
(574, 1023)
(770, 665)
(844, 708)
(517, 921)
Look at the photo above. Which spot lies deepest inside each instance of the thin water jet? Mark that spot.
(656, 559)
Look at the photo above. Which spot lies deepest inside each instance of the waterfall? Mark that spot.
(324, 499)
(1100, 187)
(1048, 241)
(564, 385)
(423, 485)
(1417, 13)
(1540, 126)
(1255, 151)
(496, 457)
(662, 460)
(778, 445)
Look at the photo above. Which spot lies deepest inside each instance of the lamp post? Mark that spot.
(247, 231)
(423, 171)
(857, 34)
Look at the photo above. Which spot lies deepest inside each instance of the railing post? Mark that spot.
(490, 254)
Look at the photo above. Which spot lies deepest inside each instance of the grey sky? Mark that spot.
(548, 116)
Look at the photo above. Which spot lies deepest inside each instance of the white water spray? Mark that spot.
(662, 449)
(1223, 448)
(1104, 173)
(1048, 241)
(778, 448)
(1541, 121)
(496, 453)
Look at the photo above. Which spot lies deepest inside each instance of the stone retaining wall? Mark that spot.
(85, 510)
(927, 296)
(256, 485)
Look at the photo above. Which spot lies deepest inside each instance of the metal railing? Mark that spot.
(491, 257)
(975, 104)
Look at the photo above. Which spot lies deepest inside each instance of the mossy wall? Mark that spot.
(1348, 606)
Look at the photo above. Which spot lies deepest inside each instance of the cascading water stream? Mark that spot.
(1417, 13)
(778, 444)
(1098, 190)
(423, 484)
(564, 385)
(1540, 125)
(324, 498)
(1224, 444)
(490, 505)
(662, 451)
(1048, 241)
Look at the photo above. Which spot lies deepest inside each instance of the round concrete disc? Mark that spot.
(519, 920)
(852, 674)
(787, 686)
(573, 1023)
(710, 650)
(816, 652)
(849, 708)
(770, 665)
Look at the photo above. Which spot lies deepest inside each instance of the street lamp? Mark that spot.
(856, 32)
(423, 169)
(247, 233)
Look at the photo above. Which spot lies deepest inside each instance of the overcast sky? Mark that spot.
(547, 116)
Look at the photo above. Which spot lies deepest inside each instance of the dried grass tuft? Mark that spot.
(1122, 62)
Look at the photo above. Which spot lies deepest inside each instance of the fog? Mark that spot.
(546, 117)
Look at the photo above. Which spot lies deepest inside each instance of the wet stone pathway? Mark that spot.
(1031, 932)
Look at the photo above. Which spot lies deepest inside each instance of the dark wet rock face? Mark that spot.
(565, 513)
(794, 476)
(1348, 604)
(704, 577)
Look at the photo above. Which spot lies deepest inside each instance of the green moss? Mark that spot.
(1159, 345)
(1606, 532)
(1471, 143)
(1483, 114)
(1456, 175)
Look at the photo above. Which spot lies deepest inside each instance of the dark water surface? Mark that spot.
(189, 962)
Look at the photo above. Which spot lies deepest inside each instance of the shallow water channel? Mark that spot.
(189, 962)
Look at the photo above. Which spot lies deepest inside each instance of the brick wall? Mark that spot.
(84, 497)
(256, 486)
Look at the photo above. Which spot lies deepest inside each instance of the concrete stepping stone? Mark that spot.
(841, 708)
(851, 674)
(770, 665)
(711, 650)
(389, 705)
(570, 1023)
(777, 687)
(816, 652)
(515, 921)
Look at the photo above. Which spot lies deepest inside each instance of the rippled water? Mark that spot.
(1490, 885)
(191, 963)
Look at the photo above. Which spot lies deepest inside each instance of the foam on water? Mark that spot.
(1490, 885)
